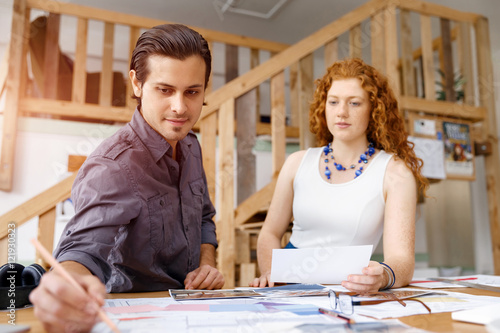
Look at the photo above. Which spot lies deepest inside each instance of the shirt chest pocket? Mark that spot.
(193, 200)
(160, 210)
(196, 194)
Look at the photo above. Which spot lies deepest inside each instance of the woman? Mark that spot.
(362, 183)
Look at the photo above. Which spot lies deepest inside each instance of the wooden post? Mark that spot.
(106, 80)
(231, 62)
(247, 273)
(243, 254)
(492, 161)
(254, 62)
(355, 43)
(134, 36)
(294, 94)
(278, 122)
(246, 110)
(409, 88)
(80, 66)
(391, 47)
(46, 227)
(449, 76)
(306, 90)
(427, 57)
(51, 57)
(18, 46)
(331, 52)
(208, 131)
(464, 47)
(225, 186)
(377, 36)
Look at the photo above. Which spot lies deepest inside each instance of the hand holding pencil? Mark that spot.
(68, 302)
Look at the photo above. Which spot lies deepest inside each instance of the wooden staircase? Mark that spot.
(378, 31)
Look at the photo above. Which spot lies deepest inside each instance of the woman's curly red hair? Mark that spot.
(386, 128)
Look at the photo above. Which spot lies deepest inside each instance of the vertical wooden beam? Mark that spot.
(408, 73)
(331, 52)
(247, 273)
(355, 45)
(106, 80)
(427, 58)
(225, 188)
(449, 76)
(492, 161)
(254, 62)
(80, 64)
(134, 36)
(208, 131)
(51, 57)
(294, 94)
(231, 72)
(245, 130)
(18, 46)
(231, 62)
(46, 227)
(243, 254)
(246, 118)
(377, 36)
(391, 47)
(306, 90)
(278, 122)
(464, 47)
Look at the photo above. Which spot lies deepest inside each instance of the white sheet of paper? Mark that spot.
(432, 153)
(480, 315)
(325, 265)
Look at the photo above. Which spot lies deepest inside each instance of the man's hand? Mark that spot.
(62, 308)
(204, 277)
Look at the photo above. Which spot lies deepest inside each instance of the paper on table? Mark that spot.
(327, 265)
(434, 284)
(480, 315)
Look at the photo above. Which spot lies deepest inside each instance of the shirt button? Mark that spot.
(187, 228)
(162, 203)
(68, 232)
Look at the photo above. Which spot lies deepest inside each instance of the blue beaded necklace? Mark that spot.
(363, 158)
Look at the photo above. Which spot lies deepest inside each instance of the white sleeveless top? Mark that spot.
(327, 214)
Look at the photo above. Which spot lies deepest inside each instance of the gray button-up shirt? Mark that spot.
(141, 216)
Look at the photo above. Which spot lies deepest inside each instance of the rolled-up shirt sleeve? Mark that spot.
(104, 205)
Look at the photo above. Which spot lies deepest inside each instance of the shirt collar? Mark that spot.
(154, 142)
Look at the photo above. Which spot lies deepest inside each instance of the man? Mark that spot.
(143, 217)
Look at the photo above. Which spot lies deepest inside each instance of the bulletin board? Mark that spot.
(456, 137)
